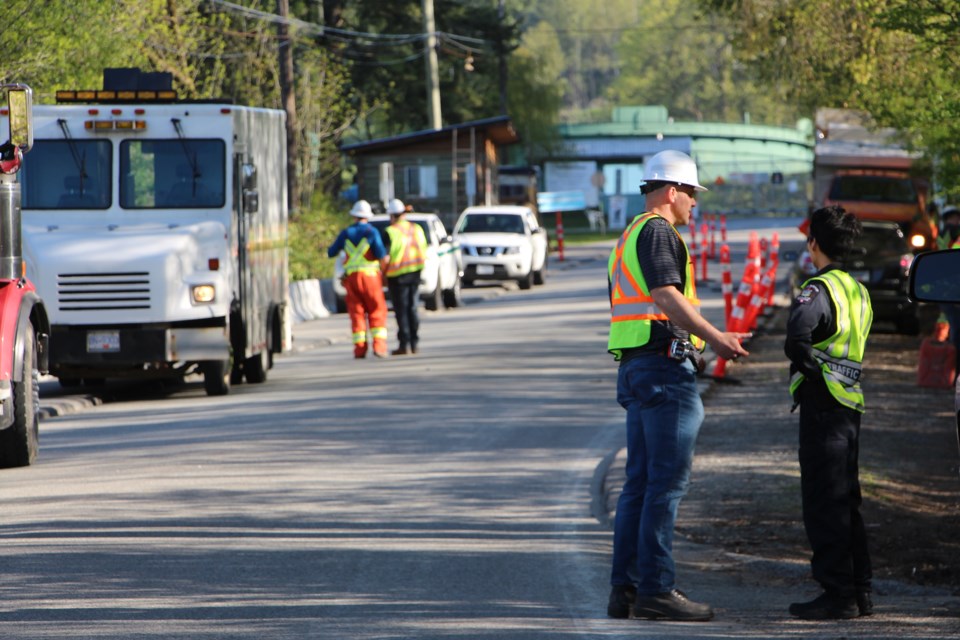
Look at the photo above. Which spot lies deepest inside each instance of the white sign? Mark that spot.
(617, 212)
(568, 176)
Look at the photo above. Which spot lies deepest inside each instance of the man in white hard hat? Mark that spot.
(364, 260)
(408, 253)
(656, 334)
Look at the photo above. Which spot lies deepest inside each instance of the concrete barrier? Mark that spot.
(311, 299)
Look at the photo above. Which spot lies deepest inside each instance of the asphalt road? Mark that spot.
(449, 494)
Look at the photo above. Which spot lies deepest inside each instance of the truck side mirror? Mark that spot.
(249, 177)
(251, 197)
(20, 108)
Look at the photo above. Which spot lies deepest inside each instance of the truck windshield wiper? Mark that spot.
(79, 158)
(191, 158)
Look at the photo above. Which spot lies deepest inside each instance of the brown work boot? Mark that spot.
(360, 350)
(401, 351)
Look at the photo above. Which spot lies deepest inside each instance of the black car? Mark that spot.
(881, 261)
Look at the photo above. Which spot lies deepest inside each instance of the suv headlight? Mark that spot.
(511, 251)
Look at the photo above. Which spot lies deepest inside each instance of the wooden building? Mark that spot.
(441, 171)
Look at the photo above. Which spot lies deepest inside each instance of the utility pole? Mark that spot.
(433, 72)
(289, 101)
(501, 14)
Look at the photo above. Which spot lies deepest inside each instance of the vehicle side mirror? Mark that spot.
(249, 177)
(935, 277)
(251, 197)
(20, 108)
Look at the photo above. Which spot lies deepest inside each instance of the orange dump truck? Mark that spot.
(867, 172)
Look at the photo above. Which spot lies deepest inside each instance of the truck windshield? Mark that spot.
(67, 174)
(873, 189)
(172, 174)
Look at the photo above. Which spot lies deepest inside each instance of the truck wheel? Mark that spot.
(255, 367)
(540, 275)
(451, 297)
(19, 442)
(436, 297)
(216, 377)
(526, 281)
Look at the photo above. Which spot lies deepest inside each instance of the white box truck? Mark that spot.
(157, 231)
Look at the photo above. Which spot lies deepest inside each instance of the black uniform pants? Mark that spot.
(404, 294)
(830, 485)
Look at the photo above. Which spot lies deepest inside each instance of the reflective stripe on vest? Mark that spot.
(407, 252)
(632, 309)
(355, 259)
(841, 355)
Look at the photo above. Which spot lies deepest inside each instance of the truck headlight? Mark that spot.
(203, 293)
(511, 251)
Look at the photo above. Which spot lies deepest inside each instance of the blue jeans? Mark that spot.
(664, 413)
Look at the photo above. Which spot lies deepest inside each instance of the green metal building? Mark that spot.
(749, 169)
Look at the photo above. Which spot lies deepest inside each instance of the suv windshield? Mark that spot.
(873, 189)
(181, 174)
(491, 222)
(67, 174)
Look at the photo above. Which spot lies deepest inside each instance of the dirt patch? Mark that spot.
(745, 492)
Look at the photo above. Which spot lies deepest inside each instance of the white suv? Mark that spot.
(502, 242)
(440, 278)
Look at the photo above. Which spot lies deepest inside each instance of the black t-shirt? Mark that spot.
(663, 263)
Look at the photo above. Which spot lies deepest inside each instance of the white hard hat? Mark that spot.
(672, 166)
(361, 209)
(395, 207)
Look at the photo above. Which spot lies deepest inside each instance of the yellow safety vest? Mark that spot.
(841, 354)
(632, 309)
(408, 248)
(355, 259)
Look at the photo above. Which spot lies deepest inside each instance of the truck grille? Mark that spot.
(103, 291)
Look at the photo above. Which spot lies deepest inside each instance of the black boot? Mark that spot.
(826, 606)
(621, 599)
(864, 602)
(672, 605)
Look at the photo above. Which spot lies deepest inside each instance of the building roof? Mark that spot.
(499, 129)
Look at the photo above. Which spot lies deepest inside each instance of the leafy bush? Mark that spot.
(311, 232)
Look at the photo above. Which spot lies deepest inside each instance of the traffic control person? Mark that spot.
(655, 335)
(408, 253)
(827, 332)
(364, 259)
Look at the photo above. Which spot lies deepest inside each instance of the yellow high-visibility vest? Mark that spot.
(841, 354)
(632, 309)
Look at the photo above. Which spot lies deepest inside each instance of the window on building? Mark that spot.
(421, 181)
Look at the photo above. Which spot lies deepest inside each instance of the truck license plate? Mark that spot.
(484, 270)
(103, 341)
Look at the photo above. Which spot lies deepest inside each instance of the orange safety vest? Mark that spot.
(408, 248)
(632, 308)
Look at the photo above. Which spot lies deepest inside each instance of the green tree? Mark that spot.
(535, 91)
(684, 59)
(898, 60)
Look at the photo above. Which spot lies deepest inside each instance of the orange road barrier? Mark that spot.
(703, 252)
(726, 284)
(738, 319)
(723, 227)
(560, 236)
(775, 262)
(713, 236)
